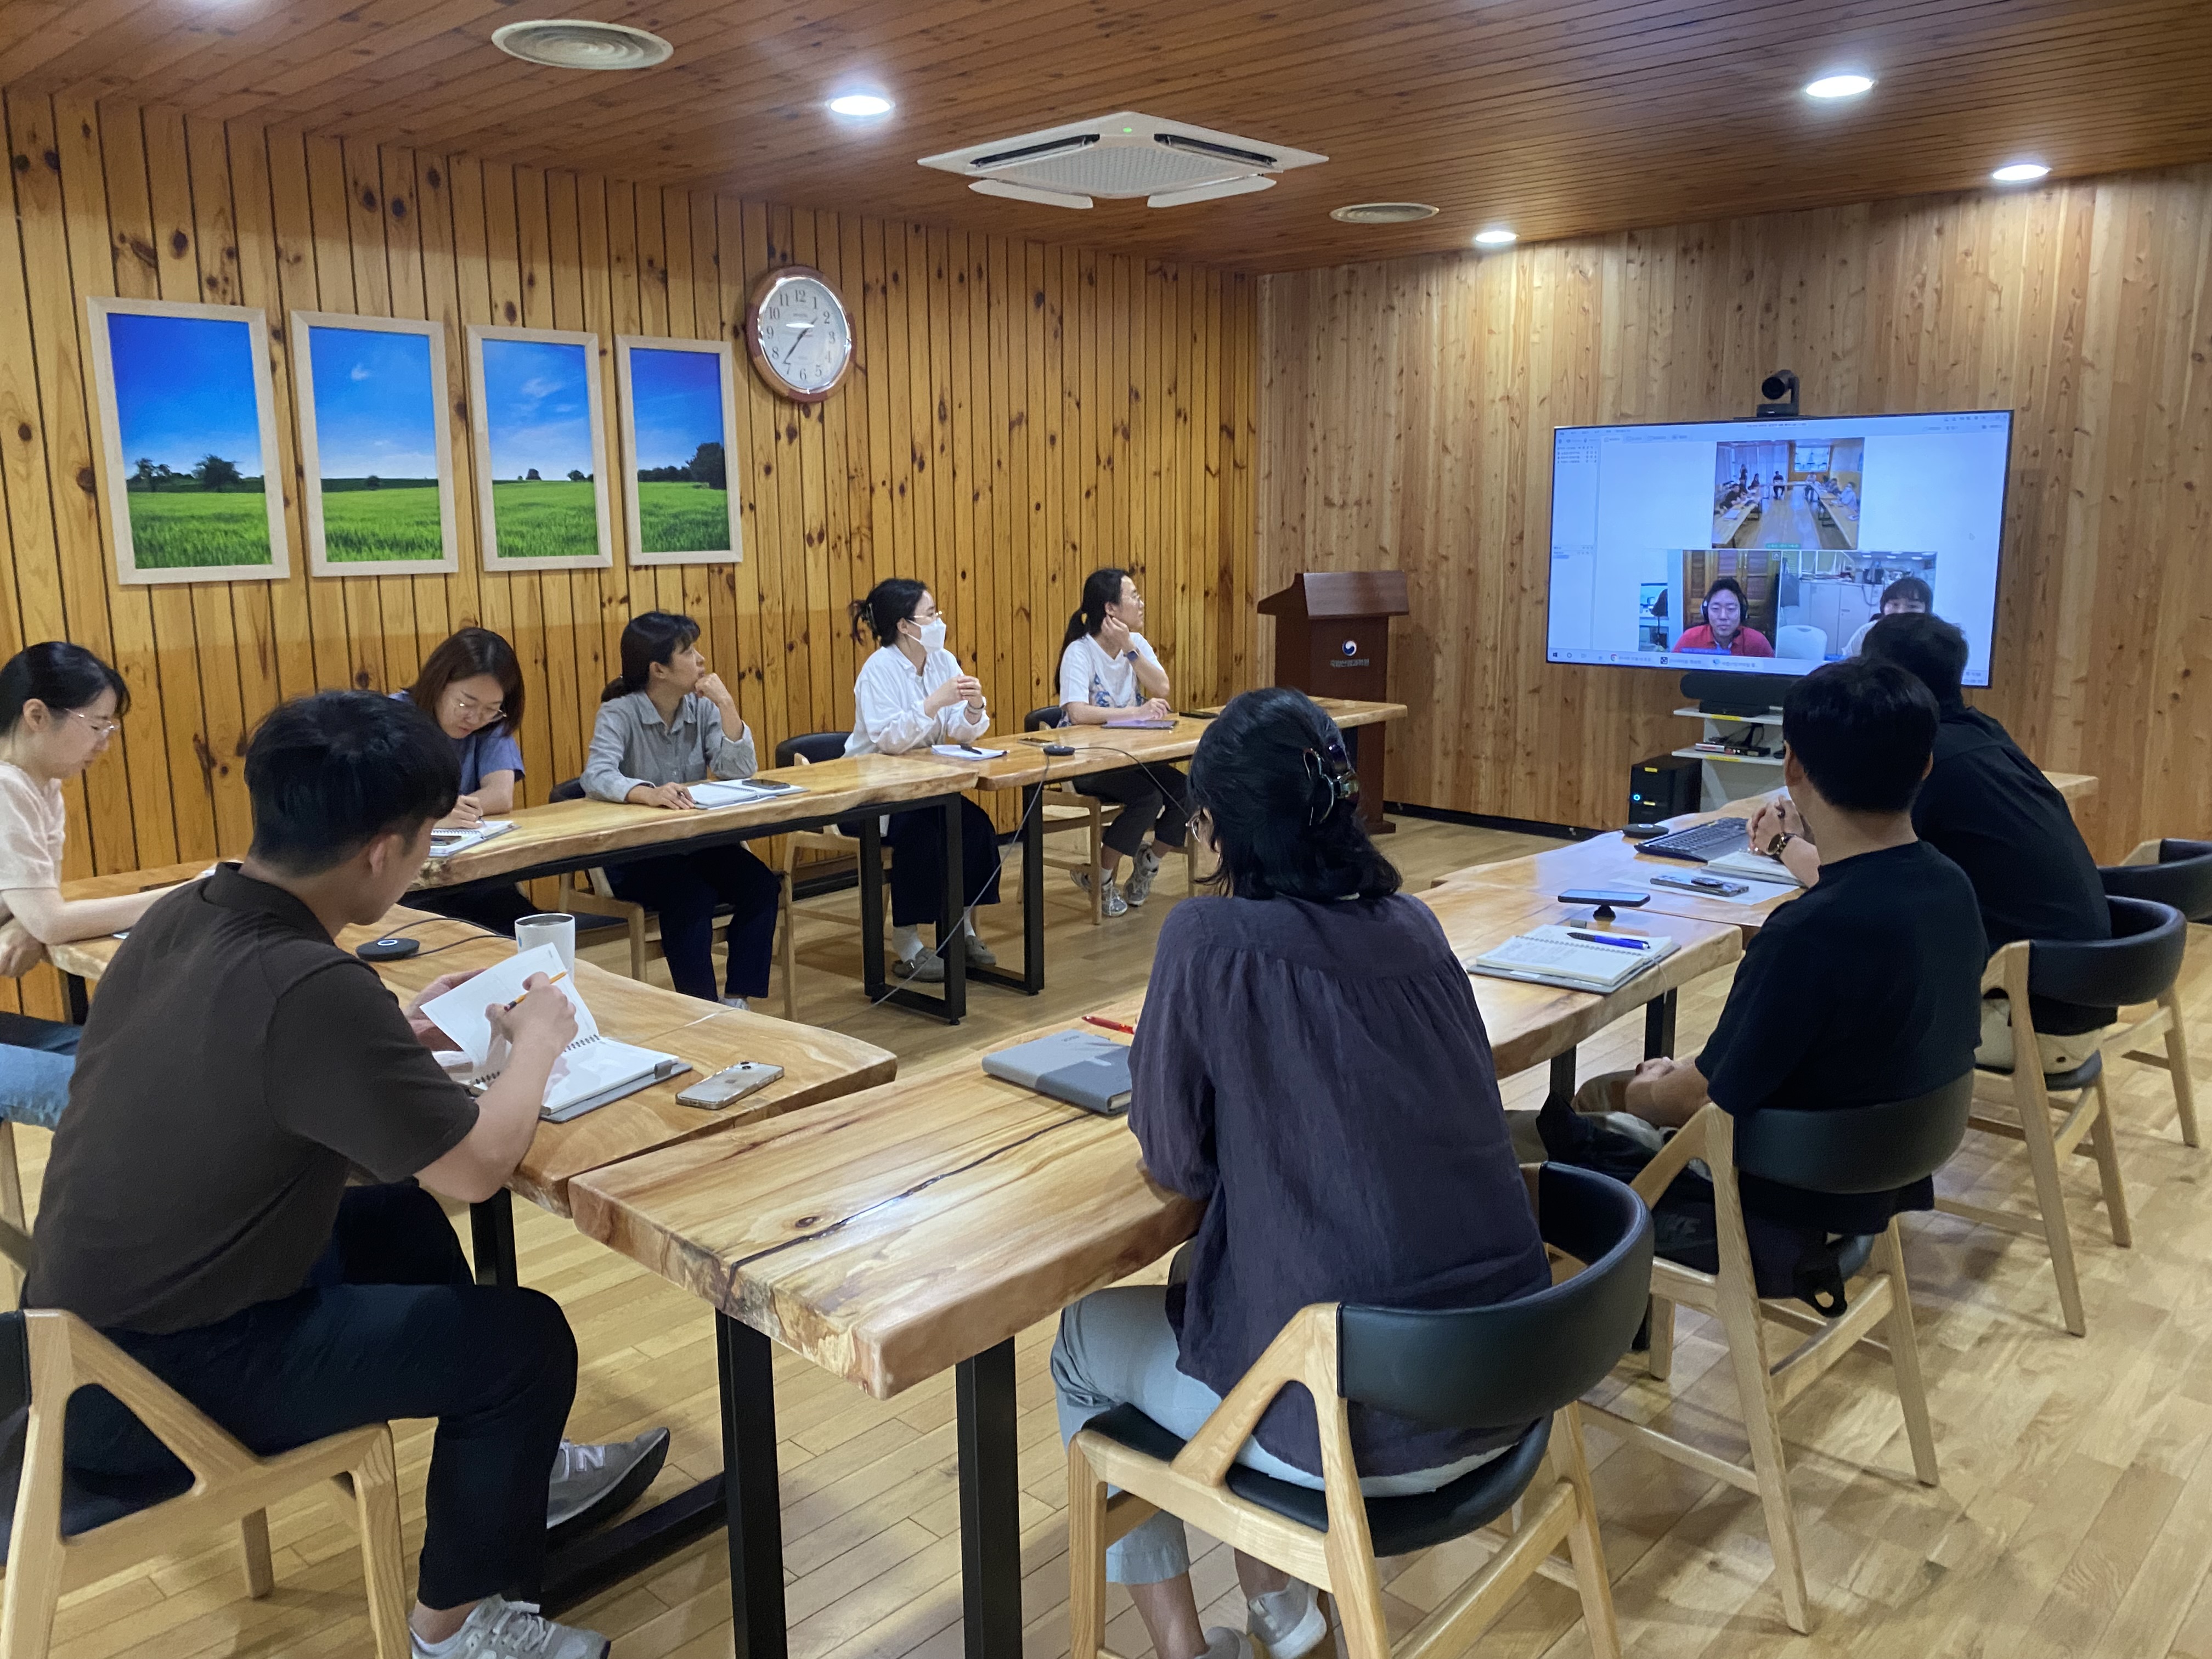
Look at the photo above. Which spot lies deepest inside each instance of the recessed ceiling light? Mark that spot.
(579, 42)
(866, 104)
(1383, 213)
(1496, 237)
(2020, 172)
(1839, 86)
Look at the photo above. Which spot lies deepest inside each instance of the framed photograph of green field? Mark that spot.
(541, 449)
(678, 404)
(375, 445)
(188, 437)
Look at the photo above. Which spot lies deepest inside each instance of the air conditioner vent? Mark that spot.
(1383, 213)
(1120, 157)
(579, 42)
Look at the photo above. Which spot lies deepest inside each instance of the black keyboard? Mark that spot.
(1701, 841)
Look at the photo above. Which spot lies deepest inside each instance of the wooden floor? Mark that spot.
(2075, 1516)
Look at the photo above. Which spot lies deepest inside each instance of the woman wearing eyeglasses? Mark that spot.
(60, 706)
(471, 686)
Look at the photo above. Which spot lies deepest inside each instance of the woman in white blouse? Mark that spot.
(913, 695)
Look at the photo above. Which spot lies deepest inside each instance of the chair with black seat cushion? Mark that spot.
(1524, 1362)
(64, 1532)
(1845, 1149)
(1064, 807)
(2137, 964)
(812, 748)
(2179, 873)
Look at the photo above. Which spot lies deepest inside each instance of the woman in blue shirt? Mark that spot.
(471, 686)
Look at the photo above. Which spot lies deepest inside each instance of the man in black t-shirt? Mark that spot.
(1865, 989)
(1989, 810)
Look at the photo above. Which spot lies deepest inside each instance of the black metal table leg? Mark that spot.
(1030, 980)
(871, 870)
(491, 1229)
(1659, 1026)
(746, 1362)
(950, 1007)
(1563, 1081)
(990, 1505)
(952, 917)
(79, 1002)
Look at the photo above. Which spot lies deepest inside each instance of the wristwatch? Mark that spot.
(1780, 839)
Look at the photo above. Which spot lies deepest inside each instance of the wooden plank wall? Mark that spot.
(1018, 413)
(1406, 416)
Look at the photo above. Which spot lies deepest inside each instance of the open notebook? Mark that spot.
(592, 1071)
(1555, 956)
(738, 791)
(444, 843)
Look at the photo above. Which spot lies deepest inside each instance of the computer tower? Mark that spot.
(1663, 786)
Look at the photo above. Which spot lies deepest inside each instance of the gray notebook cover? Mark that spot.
(1074, 1066)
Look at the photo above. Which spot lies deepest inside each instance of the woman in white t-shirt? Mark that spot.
(913, 694)
(1108, 670)
(59, 707)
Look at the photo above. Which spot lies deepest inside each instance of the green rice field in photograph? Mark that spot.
(555, 520)
(399, 520)
(683, 518)
(192, 529)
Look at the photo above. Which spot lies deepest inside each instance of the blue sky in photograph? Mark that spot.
(676, 402)
(538, 408)
(184, 388)
(375, 409)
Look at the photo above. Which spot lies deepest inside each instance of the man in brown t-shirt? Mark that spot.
(237, 1066)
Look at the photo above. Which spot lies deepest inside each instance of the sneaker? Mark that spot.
(500, 1629)
(1140, 877)
(1289, 1621)
(591, 1484)
(923, 967)
(980, 953)
(1111, 903)
(1222, 1642)
(738, 1003)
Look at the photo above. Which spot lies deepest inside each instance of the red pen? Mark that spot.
(1110, 1024)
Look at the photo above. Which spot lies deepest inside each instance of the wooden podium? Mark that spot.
(1332, 640)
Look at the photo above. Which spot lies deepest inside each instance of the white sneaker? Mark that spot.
(500, 1629)
(1222, 1642)
(737, 1003)
(1110, 904)
(1289, 1621)
(1140, 877)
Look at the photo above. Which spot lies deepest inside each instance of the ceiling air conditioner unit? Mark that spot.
(1121, 157)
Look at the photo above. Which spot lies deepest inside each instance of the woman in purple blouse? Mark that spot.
(1311, 1065)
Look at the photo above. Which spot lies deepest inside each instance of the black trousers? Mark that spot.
(1153, 802)
(391, 1324)
(494, 906)
(685, 889)
(918, 871)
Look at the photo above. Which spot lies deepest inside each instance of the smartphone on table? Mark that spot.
(730, 1084)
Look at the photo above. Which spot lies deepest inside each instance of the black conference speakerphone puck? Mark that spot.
(1058, 749)
(390, 948)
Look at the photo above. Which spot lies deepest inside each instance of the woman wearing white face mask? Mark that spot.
(912, 694)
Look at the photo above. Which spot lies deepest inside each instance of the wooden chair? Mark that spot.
(2179, 873)
(811, 748)
(1863, 1149)
(64, 1536)
(2137, 964)
(1064, 807)
(595, 896)
(1524, 1361)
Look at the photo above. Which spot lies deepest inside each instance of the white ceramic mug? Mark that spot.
(555, 927)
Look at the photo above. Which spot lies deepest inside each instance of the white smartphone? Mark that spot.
(731, 1083)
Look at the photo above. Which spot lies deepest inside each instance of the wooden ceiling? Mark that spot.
(1558, 119)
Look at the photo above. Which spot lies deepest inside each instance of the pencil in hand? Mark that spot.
(556, 980)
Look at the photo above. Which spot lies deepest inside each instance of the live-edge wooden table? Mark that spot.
(817, 1066)
(893, 1233)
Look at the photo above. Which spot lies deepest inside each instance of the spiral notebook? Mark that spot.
(738, 791)
(592, 1071)
(1572, 958)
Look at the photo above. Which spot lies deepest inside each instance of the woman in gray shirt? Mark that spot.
(667, 723)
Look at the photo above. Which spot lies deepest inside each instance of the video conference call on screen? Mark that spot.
(1765, 547)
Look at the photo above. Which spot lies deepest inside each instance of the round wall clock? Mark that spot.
(799, 333)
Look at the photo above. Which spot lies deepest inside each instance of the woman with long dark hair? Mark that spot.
(666, 722)
(912, 694)
(1108, 671)
(1311, 1066)
(472, 688)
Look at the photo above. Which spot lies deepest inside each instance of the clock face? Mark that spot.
(799, 333)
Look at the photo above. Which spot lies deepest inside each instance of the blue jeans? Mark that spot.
(37, 1059)
(1115, 1347)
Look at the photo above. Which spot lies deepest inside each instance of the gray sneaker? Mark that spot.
(980, 953)
(924, 967)
(591, 1484)
(1110, 904)
(500, 1629)
(1289, 1621)
(1141, 872)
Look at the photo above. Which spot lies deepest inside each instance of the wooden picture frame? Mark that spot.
(185, 376)
(535, 393)
(402, 412)
(680, 418)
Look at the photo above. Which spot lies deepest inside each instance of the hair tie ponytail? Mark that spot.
(1333, 781)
